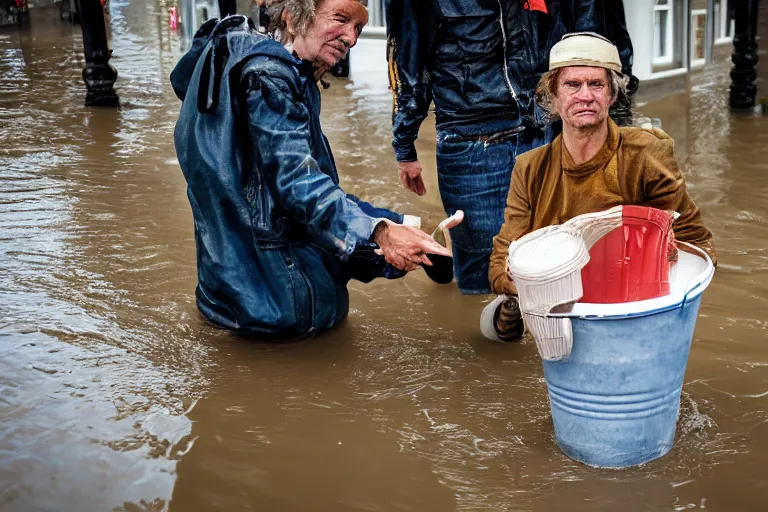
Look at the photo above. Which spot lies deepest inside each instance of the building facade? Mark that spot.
(672, 37)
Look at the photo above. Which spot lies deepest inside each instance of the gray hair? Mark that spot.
(547, 90)
(302, 12)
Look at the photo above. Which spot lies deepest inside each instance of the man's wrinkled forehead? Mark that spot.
(582, 73)
(354, 9)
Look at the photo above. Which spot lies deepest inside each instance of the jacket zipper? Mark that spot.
(504, 44)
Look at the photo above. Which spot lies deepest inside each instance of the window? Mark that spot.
(698, 37)
(670, 43)
(723, 22)
(662, 32)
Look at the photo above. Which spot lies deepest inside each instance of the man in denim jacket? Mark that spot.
(277, 238)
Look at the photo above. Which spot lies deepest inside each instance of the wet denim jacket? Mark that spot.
(272, 225)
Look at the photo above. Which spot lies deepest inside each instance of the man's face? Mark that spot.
(335, 30)
(583, 96)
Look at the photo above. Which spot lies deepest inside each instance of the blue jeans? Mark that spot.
(474, 169)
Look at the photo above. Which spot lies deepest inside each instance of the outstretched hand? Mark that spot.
(405, 247)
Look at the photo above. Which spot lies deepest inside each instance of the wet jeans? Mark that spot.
(474, 167)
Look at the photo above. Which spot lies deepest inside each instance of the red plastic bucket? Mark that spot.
(631, 262)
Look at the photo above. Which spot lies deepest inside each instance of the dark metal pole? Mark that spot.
(98, 74)
(744, 56)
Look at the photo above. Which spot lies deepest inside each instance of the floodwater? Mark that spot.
(116, 395)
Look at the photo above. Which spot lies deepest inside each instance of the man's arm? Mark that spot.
(664, 188)
(375, 211)
(279, 127)
(517, 222)
(280, 133)
(383, 213)
(407, 52)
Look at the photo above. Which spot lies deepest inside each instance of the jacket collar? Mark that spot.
(599, 161)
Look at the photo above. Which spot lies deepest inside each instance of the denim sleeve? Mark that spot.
(375, 211)
(408, 77)
(279, 123)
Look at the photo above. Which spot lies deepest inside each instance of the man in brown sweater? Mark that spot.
(592, 166)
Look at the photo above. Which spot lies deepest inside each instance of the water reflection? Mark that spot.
(115, 394)
(95, 389)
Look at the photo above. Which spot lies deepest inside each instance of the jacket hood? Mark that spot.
(231, 41)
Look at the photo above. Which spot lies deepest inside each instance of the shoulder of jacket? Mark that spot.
(534, 157)
(263, 68)
(644, 137)
(640, 146)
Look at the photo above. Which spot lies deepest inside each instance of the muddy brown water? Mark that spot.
(115, 395)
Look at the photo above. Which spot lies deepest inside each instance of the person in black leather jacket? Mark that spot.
(479, 62)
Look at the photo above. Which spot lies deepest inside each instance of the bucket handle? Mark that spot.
(593, 227)
(702, 280)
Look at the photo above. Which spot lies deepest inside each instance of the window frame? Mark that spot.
(668, 34)
(697, 63)
(724, 32)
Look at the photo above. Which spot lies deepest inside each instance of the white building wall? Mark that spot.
(639, 15)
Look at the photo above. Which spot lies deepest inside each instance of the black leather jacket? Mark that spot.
(480, 60)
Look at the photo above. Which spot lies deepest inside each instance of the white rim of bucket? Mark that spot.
(651, 306)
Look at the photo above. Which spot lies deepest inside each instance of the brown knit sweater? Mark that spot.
(549, 188)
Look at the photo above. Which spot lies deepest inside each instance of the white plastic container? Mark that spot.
(546, 268)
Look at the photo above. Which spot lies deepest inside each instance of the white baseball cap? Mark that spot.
(585, 49)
